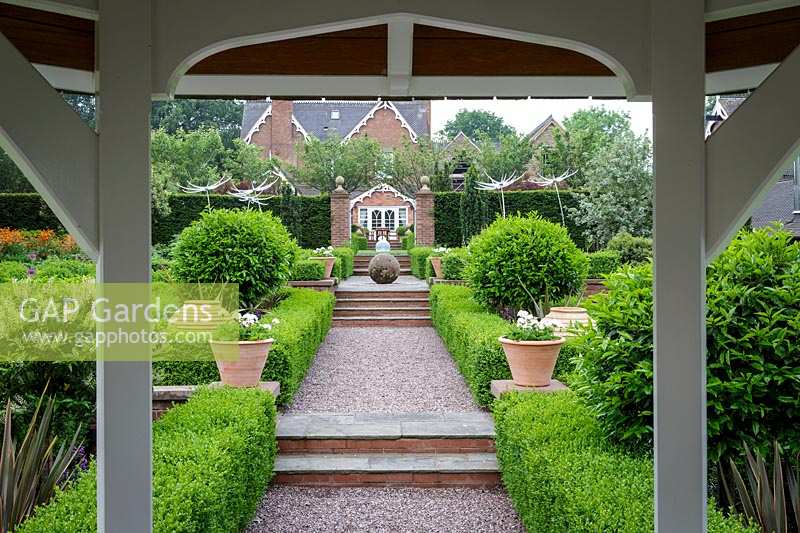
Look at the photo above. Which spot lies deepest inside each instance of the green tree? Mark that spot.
(360, 161)
(511, 155)
(11, 178)
(84, 106)
(290, 211)
(191, 115)
(588, 133)
(245, 162)
(412, 161)
(476, 125)
(194, 156)
(472, 206)
(619, 181)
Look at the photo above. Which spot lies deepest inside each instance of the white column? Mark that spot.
(679, 162)
(124, 481)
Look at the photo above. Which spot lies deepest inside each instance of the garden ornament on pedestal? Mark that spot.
(569, 316)
(384, 269)
(531, 349)
(382, 245)
(325, 255)
(240, 362)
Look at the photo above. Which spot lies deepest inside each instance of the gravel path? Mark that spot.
(451, 510)
(383, 370)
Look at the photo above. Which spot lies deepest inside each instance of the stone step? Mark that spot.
(364, 271)
(381, 311)
(382, 322)
(397, 303)
(388, 469)
(382, 294)
(365, 264)
(386, 433)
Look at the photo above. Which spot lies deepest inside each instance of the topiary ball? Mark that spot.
(384, 268)
(250, 248)
(518, 259)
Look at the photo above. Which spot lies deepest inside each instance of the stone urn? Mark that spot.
(384, 269)
(569, 318)
(436, 263)
(200, 315)
(327, 262)
(240, 363)
(531, 362)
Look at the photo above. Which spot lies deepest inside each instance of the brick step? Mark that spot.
(383, 295)
(388, 469)
(374, 312)
(364, 264)
(386, 433)
(397, 303)
(382, 322)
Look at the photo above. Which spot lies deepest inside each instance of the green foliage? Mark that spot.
(632, 250)
(619, 185)
(212, 461)
(518, 259)
(476, 124)
(562, 475)
(290, 212)
(447, 218)
(27, 211)
(305, 317)
(194, 156)
(307, 270)
(11, 270)
(358, 160)
(472, 210)
(11, 178)
(246, 163)
(191, 115)
(510, 156)
(408, 241)
(602, 263)
(344, 262)
(453, 263)
(55, 268)
(753, 361)
(411, 161)
(419, 260)
(250, 248)
(358, 242)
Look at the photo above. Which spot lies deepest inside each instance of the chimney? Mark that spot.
(282, 138)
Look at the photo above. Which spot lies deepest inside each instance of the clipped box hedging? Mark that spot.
(408, 241)
(29, 211)
(358, 242)
(470, 333)
(419, 260)
(344, 262)
(603, 263)
(307, 270)
(563, 476)
(212, 461)
(453, 263)
(545, 202)
(305, 317)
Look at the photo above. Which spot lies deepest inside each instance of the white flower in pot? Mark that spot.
(532, 348)
(325, 255)
(240, 362)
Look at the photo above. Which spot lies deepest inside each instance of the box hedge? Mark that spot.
(212, 460)
(358, 242)
(419, 260)
(448, 219)
(305, 317)
(470, 333)
(307, 270)
(408, 241)
(29, 211)
(453, 263)
(563, 476)
(602, 263)
(344, 262)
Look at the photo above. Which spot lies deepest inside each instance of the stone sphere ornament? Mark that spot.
(382, 245)
(384, 269)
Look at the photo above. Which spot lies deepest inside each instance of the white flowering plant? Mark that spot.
(529, 327)
(323, 251)
(255, 327)
(439, 251)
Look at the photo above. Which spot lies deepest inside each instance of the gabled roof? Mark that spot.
(382, 187)
(313, 117)
(460, 138)
(386, 104)
(537, 132)
(255, 116)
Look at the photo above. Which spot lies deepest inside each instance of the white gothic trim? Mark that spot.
(385, 104)
(260, 122)
(300, 128)
(383, 187)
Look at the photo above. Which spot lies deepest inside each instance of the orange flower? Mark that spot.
(45, 236)
(68, 243)
(10, 236)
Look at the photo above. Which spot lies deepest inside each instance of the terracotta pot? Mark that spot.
(531, 362)
(328, 262)
(240, 363)
(568, 317)
(437, 266)
(200, 315)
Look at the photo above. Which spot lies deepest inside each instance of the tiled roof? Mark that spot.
(778, 206)
(315, 115)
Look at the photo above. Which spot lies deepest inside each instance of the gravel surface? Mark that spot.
(468, 510)
(383, 370)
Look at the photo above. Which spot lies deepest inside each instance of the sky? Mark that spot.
(524, 115)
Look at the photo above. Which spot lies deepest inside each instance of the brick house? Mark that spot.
(382, 207)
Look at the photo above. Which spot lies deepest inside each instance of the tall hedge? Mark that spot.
(29, 211)
(448, 222)
(212, 461)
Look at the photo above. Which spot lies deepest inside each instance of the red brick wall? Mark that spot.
(385, 129)
(278, 135)
(424, 230)
(383, 199)
(340, 219)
